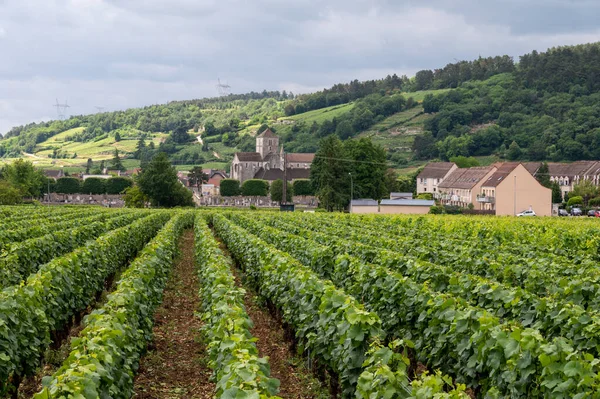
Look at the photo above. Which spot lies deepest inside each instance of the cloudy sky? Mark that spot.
(127, 53)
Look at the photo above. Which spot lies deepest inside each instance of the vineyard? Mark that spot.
(296, 305)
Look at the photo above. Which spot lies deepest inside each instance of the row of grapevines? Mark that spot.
(489, 254)
(25, 257)
(464, 340)
(553, 317)
(105, 355)
(58, 291)
(328, 323)
(385, 373)
(239, 372)
(555, 236)
(580, 286)
(37, 228)
(21, 215)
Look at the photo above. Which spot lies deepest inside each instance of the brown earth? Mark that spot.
(175, 366)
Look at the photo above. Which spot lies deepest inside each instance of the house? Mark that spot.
(364, 206)
(54, 174)
(462, 186)
(84, 177)
(567, 175)
(401, 195)
(512, 189)
(409, 206)
(268, 161)
(432, 175)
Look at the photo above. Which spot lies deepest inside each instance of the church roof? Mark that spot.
(274, 174)
(298, 157)
(267, 133)
(249, 156)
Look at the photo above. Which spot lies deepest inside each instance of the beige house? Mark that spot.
(432, 175)
(512, 189)
(364, 206)
(405, 206)
(462, 186)
(567, 175)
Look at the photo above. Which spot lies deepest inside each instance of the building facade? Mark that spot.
(268, 161)
(513, 189)
(432, 175)
(463, 185)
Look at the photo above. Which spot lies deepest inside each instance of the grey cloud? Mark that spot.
(124, 53)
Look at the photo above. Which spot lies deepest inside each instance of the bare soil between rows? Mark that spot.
(175, 366)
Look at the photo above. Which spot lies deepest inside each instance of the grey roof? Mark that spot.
(275, 174)
(407, 202)
(267, 133)
(364, 202)
(409, 195)
(249, 156)
(435, 170)
(466, 178)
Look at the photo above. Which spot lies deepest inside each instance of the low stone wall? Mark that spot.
(110, 201)
(259, 202)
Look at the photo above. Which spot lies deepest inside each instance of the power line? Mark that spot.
(61, 109)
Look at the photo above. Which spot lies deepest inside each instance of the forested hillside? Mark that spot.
(546, 106)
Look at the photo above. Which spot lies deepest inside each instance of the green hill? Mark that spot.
(545, 107)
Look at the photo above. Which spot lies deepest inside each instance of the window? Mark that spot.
(434, 189)
(424, 188)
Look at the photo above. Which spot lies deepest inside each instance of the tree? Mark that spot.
(303, 187)
(23, 176)
(368, 165)
(93, 185)
(116, 185)
(117, 137)
(9, 195)
(344, 130)
(514, 151)
(180, 134)
(464, 162)
(140, 147)
(277, 191)
(557, 197)
(68, 185)
(584, 189)
(135, 198)
(330, 176)
(230, 187)
(289, 109)
(159, 182)
(116, 161)
(89, 166)
(575, 200)
(255, 188)
(197, 177)
(543, 176)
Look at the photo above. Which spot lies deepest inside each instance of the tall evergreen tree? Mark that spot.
(368, 164)
(543, 175)
(330, 176)
(89, 166)
(116, 161)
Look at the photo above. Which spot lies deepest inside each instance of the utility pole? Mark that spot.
(515, 199)
(284, 199)
(351, 190)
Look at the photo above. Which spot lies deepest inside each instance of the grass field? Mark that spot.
(323, 114)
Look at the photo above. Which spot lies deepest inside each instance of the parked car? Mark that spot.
(576, 212)
(592, 213)
(529, 212)
(563, 212)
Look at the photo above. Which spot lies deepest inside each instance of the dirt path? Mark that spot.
(174, 366)
(297, 382)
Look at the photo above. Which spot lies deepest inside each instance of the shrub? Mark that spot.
(425, 196)
(255, 188)
(436, 210)
(68, 185)
(303, 187)
(93, 185)
(230, 187)
(594, 202)
(116, 185)
(576, 200)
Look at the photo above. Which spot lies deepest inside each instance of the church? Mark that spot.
(268, 160)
